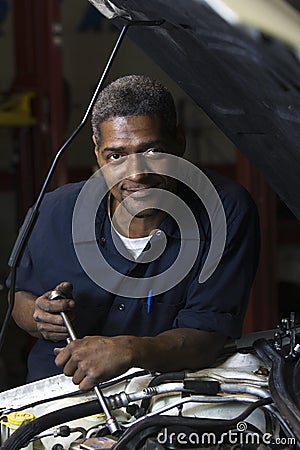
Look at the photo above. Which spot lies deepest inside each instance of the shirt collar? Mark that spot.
(169, 225)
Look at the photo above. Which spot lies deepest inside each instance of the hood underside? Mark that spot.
(235, 68)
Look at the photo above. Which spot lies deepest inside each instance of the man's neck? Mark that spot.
(139, 226)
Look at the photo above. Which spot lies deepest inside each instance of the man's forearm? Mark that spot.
(177, 349)
(95, 359)
(23, 312)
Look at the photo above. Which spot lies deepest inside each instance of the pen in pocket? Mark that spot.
(149, 300)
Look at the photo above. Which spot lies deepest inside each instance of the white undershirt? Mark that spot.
(134, 246)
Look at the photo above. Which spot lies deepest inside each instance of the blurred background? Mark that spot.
(52, 55)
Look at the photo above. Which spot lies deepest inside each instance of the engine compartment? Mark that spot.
(249, 400)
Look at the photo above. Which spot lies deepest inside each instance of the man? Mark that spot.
(183, 326)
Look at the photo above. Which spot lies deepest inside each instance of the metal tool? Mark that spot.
(111, 421)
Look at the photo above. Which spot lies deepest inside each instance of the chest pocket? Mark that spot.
(139, 317)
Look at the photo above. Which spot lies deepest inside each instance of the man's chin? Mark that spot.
(144, 214)
(151, 212)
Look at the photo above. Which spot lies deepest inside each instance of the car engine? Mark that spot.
(248, 400)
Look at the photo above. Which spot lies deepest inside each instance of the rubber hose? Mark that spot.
(24, 433)
(106, 384)
(167, 377)
(278, 386)
(207, 425)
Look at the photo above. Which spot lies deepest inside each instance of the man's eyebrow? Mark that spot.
(113, 149)
(143, 146)
(149, 144)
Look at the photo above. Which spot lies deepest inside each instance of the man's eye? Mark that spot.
(155, 153)
(152, 151)
(114, 156)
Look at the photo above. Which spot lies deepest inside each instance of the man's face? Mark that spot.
(133, 149)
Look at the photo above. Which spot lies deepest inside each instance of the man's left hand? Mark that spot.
(94, 359)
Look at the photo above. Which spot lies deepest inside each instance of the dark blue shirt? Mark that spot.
(219, 304)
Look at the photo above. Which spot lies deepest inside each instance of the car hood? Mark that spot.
(239, 61)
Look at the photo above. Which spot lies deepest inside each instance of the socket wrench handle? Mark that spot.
(111, 421)
(56, 295)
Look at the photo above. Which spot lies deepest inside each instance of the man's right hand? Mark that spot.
(47, 316)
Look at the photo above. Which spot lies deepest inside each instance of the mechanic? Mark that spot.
(182, 327)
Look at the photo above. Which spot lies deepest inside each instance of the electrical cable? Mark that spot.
(21, 437)
(154, 424)
(203, 399)
(27, 431)
(103, 385)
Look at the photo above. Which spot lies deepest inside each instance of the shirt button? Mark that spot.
(103, 240)
(121, 307)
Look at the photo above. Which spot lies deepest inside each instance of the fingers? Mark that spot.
(66, 288)
(57, 351)
(94, 359)
(52, 332)
(75, 365)
(41, 316)
(50, 326)
(54, 306)
(69, 358)
(62, 355)
(71, 367)
(47, 315)
(78, 377)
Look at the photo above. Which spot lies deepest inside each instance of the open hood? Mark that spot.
(240, 62)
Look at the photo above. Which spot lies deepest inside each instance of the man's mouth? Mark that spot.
(138, 192)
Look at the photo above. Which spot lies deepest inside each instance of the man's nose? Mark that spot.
(137, 167)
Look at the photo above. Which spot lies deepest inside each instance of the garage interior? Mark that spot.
(53, 53)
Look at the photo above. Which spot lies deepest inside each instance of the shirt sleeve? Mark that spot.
(219, 304)
(25, 279)
(38, 270)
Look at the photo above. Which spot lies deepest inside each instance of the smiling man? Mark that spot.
(183, 326)
(139, 135)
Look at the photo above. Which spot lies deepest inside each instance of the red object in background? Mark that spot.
(38, 69)
(262, 313)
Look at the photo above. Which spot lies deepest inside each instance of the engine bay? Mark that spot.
(248, 400)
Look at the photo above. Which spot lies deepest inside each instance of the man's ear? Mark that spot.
(96, 147)
(180, 138)
(95, 140)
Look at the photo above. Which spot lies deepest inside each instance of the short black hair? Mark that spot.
(134, 95)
